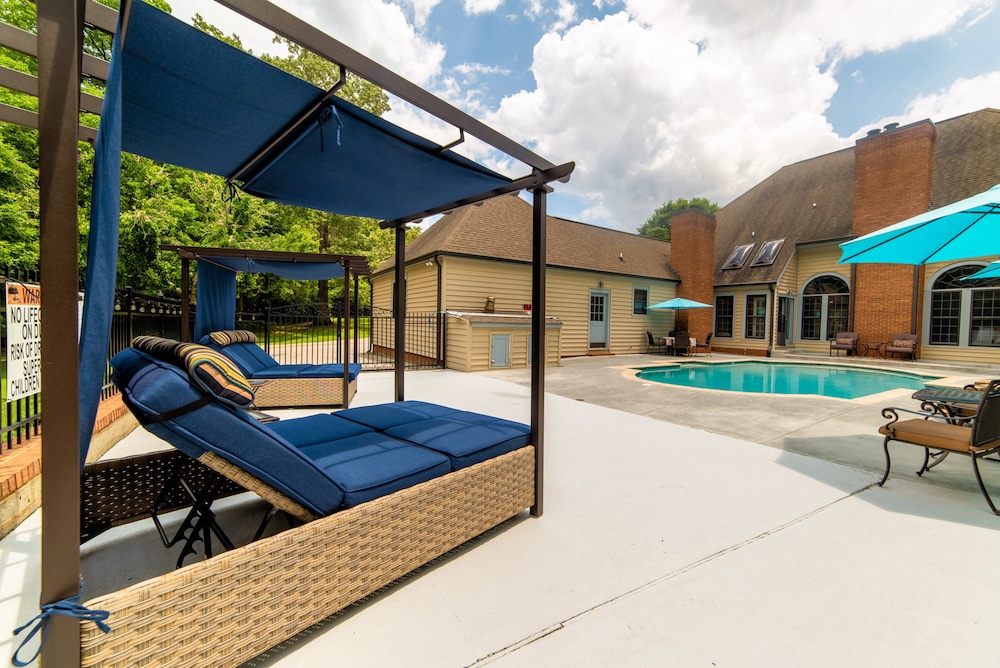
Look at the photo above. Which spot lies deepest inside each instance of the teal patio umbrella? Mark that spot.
(968, 228)
(992, 270)
(679, 303)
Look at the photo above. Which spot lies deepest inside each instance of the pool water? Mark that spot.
(826, 380)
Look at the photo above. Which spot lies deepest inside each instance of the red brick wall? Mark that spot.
(893, 171)
(692, 256)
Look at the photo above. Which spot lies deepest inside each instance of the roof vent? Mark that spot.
(891, 126)
(872, 133)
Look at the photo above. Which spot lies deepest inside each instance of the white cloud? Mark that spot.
(481, 6)
(650, 116)
(963, 96)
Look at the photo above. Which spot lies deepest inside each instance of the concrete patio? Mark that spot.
(678, 531)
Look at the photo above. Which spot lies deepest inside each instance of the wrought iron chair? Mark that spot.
(902, 344)
(682, 343)
(932, 432)
(847, 341)
(706, 347)
(652, 345)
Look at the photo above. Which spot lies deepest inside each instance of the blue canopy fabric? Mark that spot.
(679, 303)
(966, 229)
(102, 244)
(191, 100)
(299, 271)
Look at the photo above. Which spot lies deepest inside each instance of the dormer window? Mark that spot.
(738, 257)
(767, 253)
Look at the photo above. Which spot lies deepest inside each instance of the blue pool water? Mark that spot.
(785, 378)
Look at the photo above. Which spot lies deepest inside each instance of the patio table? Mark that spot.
(668, 341)
(877, 346)
(953, 403)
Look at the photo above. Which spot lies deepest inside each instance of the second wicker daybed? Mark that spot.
(278, 384)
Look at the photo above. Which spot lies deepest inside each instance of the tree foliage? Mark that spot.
(164, 204)
(657, 225)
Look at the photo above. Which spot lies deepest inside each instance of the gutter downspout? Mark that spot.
(442, 338)
(774, 318)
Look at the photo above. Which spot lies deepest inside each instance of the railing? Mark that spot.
(307, 334)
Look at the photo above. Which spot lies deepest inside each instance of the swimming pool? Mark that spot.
(827, 380)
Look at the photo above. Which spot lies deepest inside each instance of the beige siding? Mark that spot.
(813, 262)
(738, 343)
(468, 283)
(458, 355)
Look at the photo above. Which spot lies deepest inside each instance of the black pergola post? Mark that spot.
(538, 254)
(399, 311)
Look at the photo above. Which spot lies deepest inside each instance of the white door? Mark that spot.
(499, 351)
(600, 319)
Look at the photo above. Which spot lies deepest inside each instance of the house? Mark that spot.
(777, 282)
(475, 264)
(767, 261)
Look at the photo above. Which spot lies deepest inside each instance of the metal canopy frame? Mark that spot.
(61, 64)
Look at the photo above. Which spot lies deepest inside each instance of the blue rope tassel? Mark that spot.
(328, 112)
(67, 606)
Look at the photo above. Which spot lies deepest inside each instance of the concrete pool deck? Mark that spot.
(676, 532)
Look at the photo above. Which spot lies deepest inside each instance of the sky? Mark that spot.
(656, 100)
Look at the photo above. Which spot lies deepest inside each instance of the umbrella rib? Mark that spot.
(958, 233)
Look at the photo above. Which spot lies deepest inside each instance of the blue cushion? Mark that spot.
(152, 387)
(467, 438)
(371, 465)
(249, 357)
(386, 416)
(306, 371)
(314, 429)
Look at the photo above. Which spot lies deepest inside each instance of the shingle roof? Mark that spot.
(807, 201)
(813, 200)
(500, 229)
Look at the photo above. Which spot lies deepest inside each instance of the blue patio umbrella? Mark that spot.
(679, 303)
(968, 228)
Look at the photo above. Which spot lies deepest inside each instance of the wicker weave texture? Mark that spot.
(280, 392)
(118, 491)
(254, 484)
(228, 609)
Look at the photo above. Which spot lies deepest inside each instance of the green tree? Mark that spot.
(657, 226)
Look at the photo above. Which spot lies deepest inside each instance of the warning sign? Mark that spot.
(24, 340)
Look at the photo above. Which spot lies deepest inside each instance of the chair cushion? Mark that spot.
(227, 336)
(249, 357)
(386, 416)
(467, 438)
(902, 343)
(211, 370)
(313, 429)
(845, 341)
(307, 371)
(930, 434)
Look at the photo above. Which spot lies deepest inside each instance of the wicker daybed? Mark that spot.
(277, 385)
(381, 490)
(162, 103)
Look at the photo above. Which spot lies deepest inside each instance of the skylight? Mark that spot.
(738, 257)
(768, 251)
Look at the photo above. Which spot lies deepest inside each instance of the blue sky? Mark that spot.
(660, 99)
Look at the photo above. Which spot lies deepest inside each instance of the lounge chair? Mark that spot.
(902, 344)
(847, 341)
(706, 346)
(372, 506)
(652, 344)
(935, 432)
(277, 384)
(682, 343)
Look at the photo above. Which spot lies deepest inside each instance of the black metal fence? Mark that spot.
(303, 334)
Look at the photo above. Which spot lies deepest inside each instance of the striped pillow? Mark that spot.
(227, 336)
(210, 370)
(217, 374)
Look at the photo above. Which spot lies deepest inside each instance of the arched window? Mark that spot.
(825, 308)
(964, 312)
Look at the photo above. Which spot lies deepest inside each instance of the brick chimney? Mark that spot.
(893, 173)
(692, 256)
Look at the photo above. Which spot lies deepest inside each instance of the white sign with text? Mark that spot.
(24, 340)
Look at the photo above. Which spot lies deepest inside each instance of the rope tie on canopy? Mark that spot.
(68, 606)
(328, 112)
